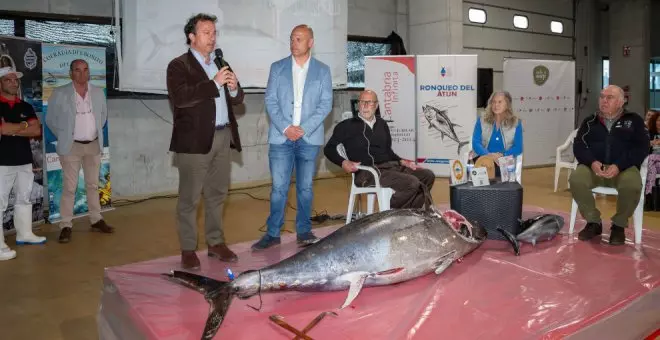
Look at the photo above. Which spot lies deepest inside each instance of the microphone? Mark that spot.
(218, 59)
(219, 62)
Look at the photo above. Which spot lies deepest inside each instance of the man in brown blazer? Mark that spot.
(201, 96)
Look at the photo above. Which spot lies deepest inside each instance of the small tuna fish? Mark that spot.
(543, 227)
(383, 248)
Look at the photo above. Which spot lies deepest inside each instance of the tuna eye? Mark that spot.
(464, 230)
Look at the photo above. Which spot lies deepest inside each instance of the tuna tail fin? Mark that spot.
(461, 145)
(512, 239)
(217, 293)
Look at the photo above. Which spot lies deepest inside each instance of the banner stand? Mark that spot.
(56, 63)
(25, 56)
(446, 104)
(393, 80)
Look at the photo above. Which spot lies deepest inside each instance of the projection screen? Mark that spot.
(252, 34)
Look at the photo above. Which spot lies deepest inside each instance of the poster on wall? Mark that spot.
(543, 93)
(446, 109)
(393, 80)
(25, 56)
(56, 63)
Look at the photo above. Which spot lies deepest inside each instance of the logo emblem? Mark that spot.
(30, 59)
(443, 72)
(541, 75)
(459, 172)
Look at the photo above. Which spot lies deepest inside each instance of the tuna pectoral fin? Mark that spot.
(356, 280)
(512, 239)
(217, 293)
(444, 262)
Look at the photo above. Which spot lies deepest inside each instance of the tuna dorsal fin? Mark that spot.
(444, 262)
(356, 280)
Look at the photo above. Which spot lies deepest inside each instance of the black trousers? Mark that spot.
(409, 185)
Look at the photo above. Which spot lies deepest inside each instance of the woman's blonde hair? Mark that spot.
(509, 118)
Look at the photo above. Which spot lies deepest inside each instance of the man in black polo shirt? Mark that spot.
(367, 141)
(18, 123)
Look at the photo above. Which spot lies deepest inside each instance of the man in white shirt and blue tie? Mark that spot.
(298, 99)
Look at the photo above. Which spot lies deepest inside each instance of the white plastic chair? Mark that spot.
(638, 215)
(559, 164)
(519, 161)
(383, 194)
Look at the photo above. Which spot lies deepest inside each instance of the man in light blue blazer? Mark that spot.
(298, 99)
(76, 115)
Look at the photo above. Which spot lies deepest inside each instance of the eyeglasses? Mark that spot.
(367, 102)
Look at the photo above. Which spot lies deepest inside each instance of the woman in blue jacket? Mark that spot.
(498, 132)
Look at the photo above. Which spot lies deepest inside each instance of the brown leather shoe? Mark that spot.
(189, 260)
(103, 227)
(65, 235)
(222, 253)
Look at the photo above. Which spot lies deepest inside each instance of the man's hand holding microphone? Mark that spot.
(225, 76)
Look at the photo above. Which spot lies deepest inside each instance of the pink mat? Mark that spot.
(553, 290)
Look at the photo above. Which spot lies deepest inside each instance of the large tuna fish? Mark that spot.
(380, 249)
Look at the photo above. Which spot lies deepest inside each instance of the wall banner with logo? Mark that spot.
(25, 56)
(543, 93)
(56, 63)
(446, 109)
(393, 80)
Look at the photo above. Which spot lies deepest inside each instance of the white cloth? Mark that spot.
(85, 126)
(19, 177)
(299, 74)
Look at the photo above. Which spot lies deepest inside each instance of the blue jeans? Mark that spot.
(282, 158)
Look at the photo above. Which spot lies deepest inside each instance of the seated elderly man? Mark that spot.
(367, 141)
(610, 147)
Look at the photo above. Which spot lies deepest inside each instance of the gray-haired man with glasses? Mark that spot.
(367, 141)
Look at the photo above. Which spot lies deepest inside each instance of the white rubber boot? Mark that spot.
(23, 224)
(5, 252)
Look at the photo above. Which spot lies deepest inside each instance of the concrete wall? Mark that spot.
(630, 26)
(498, 38)
(435, 26)
(140, 161)
(592, 41)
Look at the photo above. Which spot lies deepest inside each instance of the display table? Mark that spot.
(490, 206)
(559, 289)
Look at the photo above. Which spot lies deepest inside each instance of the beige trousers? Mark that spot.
(89, 156)
(204, 176)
